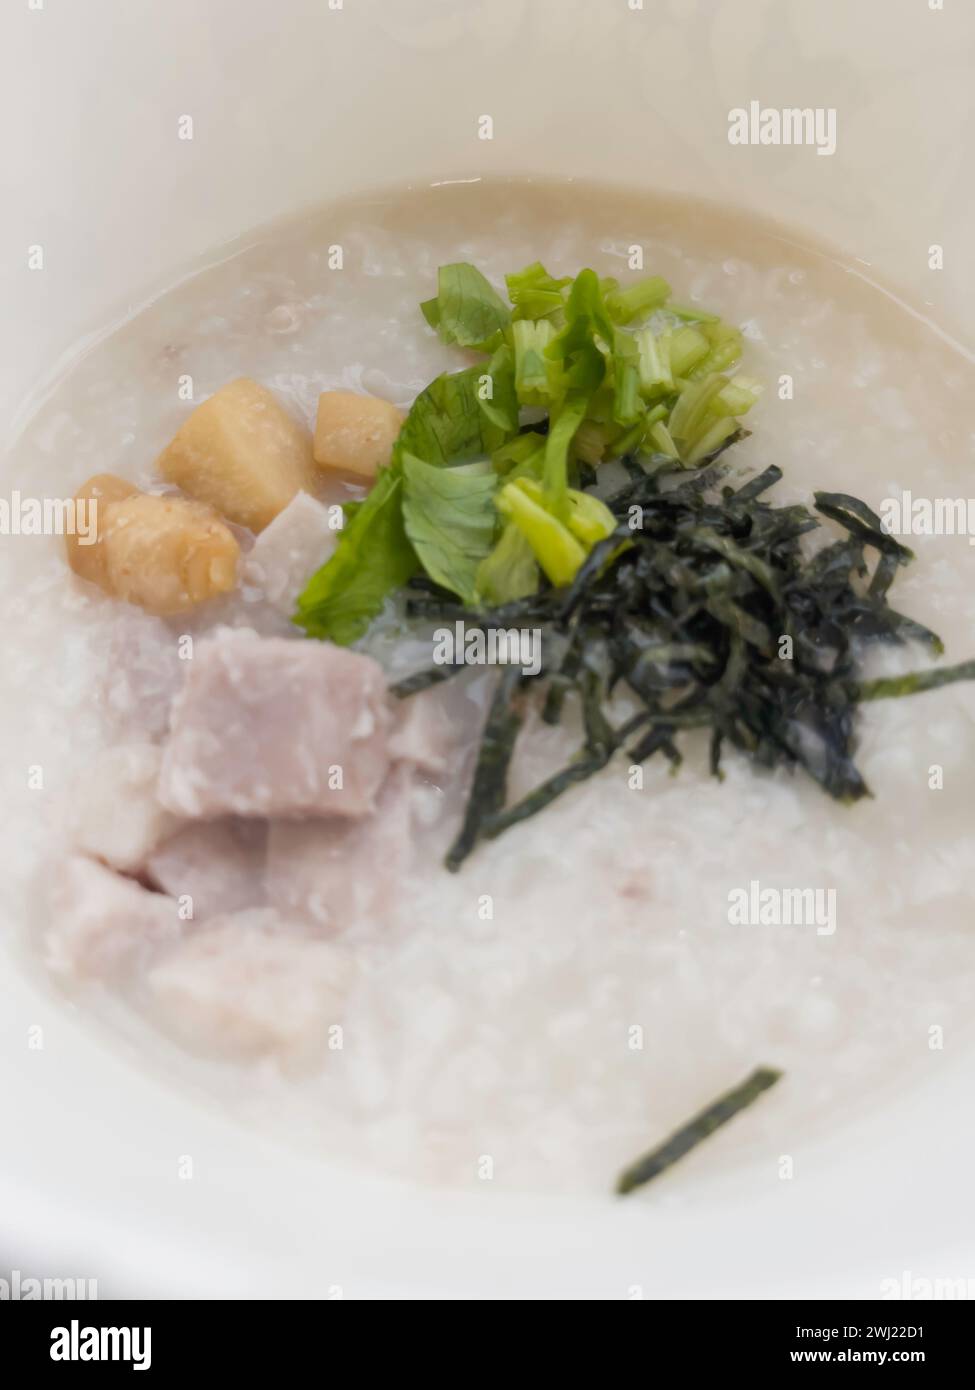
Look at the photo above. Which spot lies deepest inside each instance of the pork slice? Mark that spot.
(247, 986)
(268, 726)
(103, 925)
(333, 874)
(213, 868)
(288, 552)
(114, 813)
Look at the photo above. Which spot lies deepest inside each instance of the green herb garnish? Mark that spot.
(467, 311)
(651, 1165)
(450, 518)
(604, 360)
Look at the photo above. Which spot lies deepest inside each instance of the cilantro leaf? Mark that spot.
(450, 519)
(468, 310)
(501, 404)
(446, 422)
(373, 557)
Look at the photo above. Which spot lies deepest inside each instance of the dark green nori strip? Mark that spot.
(600, 744)
(489, 787)
(651, 1165)
(887, 687)
(422, 680)
(756, 486)
(883, 575)
(861, 521)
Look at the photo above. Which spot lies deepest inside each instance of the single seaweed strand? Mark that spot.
(725, 1108)
(493, 760)
(914, 682)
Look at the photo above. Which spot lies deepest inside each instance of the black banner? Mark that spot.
(167, 1340)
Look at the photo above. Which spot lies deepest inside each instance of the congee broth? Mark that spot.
(471, 738)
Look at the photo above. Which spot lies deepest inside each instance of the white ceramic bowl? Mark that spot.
(296, 102)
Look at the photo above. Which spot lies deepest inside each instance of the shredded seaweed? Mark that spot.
(493, 759)
(722, 1110)
(705, 604)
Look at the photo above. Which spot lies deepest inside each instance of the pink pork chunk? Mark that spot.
(268, 726)
(103, 925)
(333, 874)
(213, 868)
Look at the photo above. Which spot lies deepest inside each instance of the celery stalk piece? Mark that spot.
(654, 359)
(660, 436)
(627, 405)
(555, 547)
(712, 437)
(738, 397)
(589, 520)
(727, 345)
(536, 294)
(628, 440)
(637, 300)
(692, 406)
(560, 435)
(591, 441)
(510, 571)
(523, 454)
(586, 318)
(601, 405)
(687, 347)
(530, 338)
(689, 314)
(719, 359)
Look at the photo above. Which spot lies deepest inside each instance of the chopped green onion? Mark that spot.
(639, 299)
